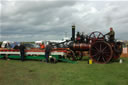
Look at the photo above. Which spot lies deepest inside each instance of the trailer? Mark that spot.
(36, 54)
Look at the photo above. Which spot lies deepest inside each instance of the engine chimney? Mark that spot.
(73, 33)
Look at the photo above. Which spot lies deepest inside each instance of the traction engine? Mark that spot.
(96, 44)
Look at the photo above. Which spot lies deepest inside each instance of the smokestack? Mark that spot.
(73, 33)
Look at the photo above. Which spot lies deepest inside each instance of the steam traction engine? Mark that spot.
(99, 48)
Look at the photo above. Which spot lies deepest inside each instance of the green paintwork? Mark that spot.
(41, 57)
(1, 56)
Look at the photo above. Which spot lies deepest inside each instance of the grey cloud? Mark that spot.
(43, 20)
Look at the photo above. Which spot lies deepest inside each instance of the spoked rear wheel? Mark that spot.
(101, 52)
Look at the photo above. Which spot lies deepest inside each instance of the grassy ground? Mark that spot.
(15, 72)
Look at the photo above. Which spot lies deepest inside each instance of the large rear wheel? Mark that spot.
(101, 52)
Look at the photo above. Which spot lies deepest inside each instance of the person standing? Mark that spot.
(22, 51)
(111, 35)
(48, 49)
(42, 46)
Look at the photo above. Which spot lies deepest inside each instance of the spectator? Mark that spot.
(48, 49)
(22, 51)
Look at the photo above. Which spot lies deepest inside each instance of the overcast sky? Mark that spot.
(31, 20)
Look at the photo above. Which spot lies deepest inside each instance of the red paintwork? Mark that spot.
(34, 50)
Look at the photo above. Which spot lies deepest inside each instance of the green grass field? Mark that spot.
(15, 72)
